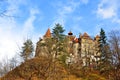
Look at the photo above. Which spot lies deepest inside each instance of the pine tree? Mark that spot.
(102, 43)
(27, 49)
(58, 32)
(60, 40)
(104, 65)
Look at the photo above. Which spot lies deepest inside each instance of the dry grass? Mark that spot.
(43, 68)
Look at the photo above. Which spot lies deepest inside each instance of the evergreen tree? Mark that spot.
(60, 40)
(58, 32)
(27, 49)
(102, 43)
(104, 50)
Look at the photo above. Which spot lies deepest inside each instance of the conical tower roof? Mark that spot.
(48, 33)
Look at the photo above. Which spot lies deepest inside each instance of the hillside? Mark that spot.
(36, 69)
(45, 69)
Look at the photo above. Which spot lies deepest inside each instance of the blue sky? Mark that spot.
(31, 19)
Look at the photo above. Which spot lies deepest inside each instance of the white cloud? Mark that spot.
(8, 38)
(7, 25)
(12, 33)
(64, 10)
(28, 26)
(106, 13)
(109, 10)
(13, 7)
(69, 7)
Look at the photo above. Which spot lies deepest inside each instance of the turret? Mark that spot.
(48, 34)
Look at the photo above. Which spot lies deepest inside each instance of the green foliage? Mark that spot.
(60, 40)
(54, 46)
(102, 38)
(102, 43)
(58, 32)
(27, 49)
(105, 53)
(63, 58)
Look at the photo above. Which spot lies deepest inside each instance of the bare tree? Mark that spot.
(13, 63)
(7, 65)
(114, 40)
(4, 66)
(2, 10)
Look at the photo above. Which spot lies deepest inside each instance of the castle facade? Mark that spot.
(82, 48)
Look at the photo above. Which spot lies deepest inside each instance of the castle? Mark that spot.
(83, 47)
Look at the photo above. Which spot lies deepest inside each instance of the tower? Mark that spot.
(47, 34)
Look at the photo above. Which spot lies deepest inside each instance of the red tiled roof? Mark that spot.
(76, 40)
(73, 38)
